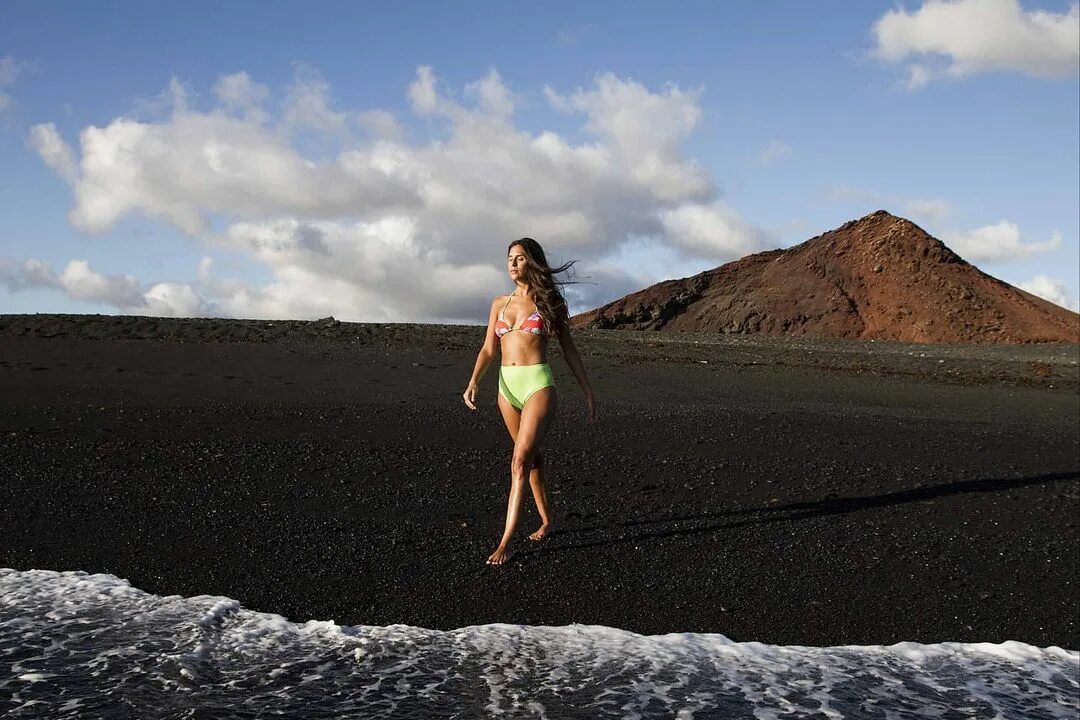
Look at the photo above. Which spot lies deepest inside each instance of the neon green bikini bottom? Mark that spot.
(518, 382)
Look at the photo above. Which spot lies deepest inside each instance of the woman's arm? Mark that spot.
(483, 358)
(574, 361)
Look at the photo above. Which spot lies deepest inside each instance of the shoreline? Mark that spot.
(1063, 652)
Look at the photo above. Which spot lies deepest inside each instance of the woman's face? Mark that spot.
(515, 262)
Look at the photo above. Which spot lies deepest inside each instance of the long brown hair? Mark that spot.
(546, 292)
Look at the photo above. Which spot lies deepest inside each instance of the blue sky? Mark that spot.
(372, 161)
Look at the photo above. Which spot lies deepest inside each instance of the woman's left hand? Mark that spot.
(591, 404)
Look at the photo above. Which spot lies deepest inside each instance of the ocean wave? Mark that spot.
(81, 645)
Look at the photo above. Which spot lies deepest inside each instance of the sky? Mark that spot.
(373, 161)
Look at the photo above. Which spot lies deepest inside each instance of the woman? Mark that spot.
(526, 384)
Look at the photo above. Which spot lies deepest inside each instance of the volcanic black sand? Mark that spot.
(812, 492)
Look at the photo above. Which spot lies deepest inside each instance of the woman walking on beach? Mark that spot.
(526, 384)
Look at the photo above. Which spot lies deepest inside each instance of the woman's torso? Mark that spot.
(526, 342)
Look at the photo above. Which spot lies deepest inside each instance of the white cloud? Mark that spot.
(959, 38)
(493, 97)
(238, 94)
(996, 242)
(422, 91)
(308, 104)
(204, 267)
(389, 230)
(174, 98)
(122, 292)
(54, 151)
(173, 300)
(198, 165)
(773, 153)
(643, 132)
(30, 273)
(82, 283)
(373, 271)
(1054, 291)
(709, 230)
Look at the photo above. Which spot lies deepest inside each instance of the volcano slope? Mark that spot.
(879, 277)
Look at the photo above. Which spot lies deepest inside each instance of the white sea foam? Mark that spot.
(79, 645)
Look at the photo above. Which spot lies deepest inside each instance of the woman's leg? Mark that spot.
(537, 476)
(535, 417)
(539, 490)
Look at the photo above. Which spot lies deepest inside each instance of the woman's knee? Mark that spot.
(524, 460)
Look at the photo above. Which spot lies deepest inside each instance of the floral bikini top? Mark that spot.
(533, 324)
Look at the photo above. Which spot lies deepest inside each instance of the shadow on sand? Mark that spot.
(638, 530)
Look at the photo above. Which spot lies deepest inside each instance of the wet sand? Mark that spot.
(783, 490)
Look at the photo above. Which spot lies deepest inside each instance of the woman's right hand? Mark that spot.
(470, 396)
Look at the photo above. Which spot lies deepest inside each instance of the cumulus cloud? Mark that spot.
(492, 97)
(422, 94)
(642, 132)
(710, 230)
(121, 292)
(82, 283)
(239, 94)
(309, 105)
(54, 151)
(958, 38)
(1052, 290)
(387, 230)
(377, 271)
(204, 267)
(30, 273)
(1001, 241)
(169, 299)
(198, 165)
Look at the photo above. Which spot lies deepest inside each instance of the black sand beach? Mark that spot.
(809, 492)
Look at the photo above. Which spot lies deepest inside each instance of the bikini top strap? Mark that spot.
(505, 304)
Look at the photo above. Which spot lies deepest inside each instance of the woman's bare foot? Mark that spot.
(545, 530)
(498, 557)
